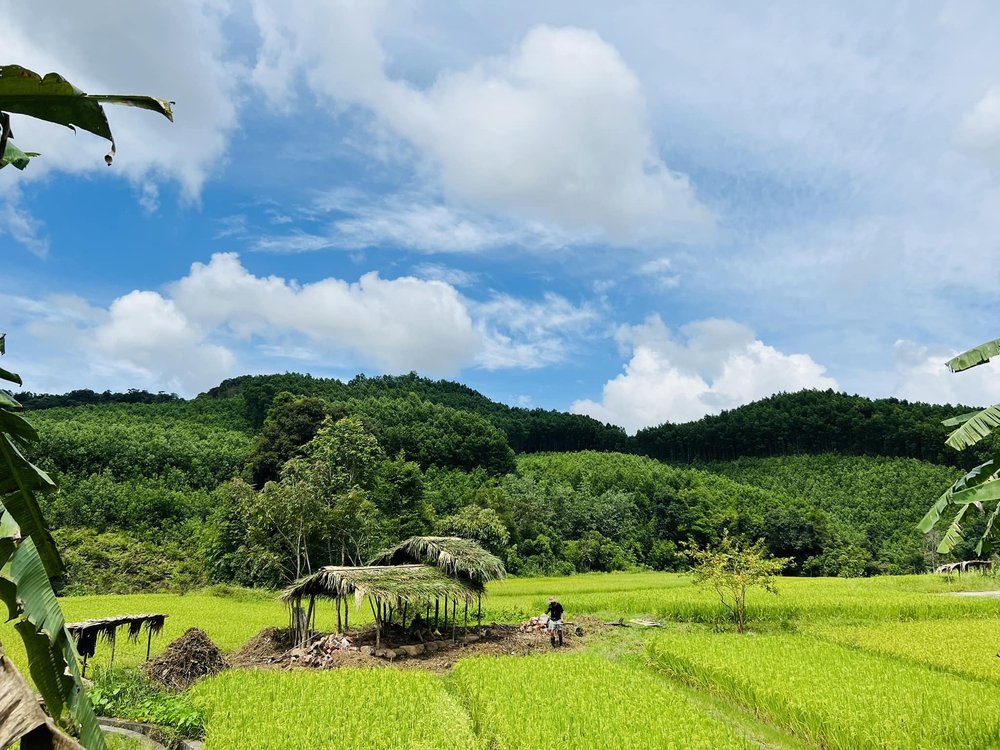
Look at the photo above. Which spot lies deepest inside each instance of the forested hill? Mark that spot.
(527, 430)
(812, 422)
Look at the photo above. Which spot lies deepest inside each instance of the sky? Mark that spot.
(640, 211)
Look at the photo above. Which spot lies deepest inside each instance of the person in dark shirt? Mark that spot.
(555, 613)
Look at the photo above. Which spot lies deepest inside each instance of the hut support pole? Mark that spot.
(378, 624)
(479, 611)
(149, 641)
(405, 607)
(347, 608)
(84, 666)
(466, 626)
(454, 618)
(437, 610)
(114, 642)
(340, 628)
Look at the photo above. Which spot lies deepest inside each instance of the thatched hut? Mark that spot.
(391, 590)
(415, 574)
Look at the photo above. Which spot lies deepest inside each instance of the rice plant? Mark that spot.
(968, 647)
(833, 696)
(582, 701)
(348, 709)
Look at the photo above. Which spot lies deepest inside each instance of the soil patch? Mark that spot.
(271, 648)
(185, 660)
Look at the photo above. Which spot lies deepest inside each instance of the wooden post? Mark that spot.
(84, 666)
(465, 636)
(437, 611)
(114, 642)
(347, 608)
(454, 618)
(340, 628)
(405, 607)
(149, 640)
(479, 611)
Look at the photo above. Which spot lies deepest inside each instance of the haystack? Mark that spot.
(185, 660)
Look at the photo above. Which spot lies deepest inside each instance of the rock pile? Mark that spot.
(322, 652)
(189, 658)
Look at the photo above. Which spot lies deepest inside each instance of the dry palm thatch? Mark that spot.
(87, 632)
(384, 583)
(453, 555)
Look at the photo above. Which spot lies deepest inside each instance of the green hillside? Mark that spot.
(161, 492)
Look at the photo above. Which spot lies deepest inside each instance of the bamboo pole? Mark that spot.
(149, 640)
(437, 610)
(454, 618)
(339, 626)
(479, 611)
(405, 607)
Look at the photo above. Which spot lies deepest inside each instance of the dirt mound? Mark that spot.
(267, 647)
(189, 658)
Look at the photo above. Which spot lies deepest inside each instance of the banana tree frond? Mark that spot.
(985, 545)
(960, 419)
(984, 493)
(975, 428)
(954, 533)
(975, 477)
(980, 355)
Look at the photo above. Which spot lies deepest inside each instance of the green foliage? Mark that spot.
(126, 693)
(292, 421)
(435, 435)
(36, 401)
(527, 430)
(732, 568)
(872, 503)
(811, 422)
(483, 525)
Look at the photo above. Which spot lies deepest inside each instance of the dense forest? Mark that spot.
(253, 485)
(813, 422)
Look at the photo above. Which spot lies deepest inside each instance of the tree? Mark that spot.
(732, 569)
(54, 99)
(980, 486)
(28, 556)
(291, 422)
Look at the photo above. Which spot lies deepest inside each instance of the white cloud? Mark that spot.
(524, 334)
(438, 272)
(20, 225)
(556, 130)
(922, 376)
(195, 333)
(713, 365)
(979, 131)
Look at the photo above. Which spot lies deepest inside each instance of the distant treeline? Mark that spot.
(812, 422)
(86, 397)
(807, 422)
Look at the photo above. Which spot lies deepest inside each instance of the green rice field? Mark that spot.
(830, 663)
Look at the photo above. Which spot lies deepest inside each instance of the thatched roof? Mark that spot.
(393, 583)
(453, 555)
(87, 632)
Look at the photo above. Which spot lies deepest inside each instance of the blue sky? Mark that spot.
(639, 211)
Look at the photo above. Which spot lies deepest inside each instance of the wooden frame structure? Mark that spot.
(86, 633)
(390, 589)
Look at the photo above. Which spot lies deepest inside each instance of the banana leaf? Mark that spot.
(980, 355)
(960, 419)
(16, 157)
(954, 533)
(975, 428)
(54, 99)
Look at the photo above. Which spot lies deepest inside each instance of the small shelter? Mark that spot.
(86, 633)
(409, 577)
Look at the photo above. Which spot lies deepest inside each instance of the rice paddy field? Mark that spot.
(830, 663)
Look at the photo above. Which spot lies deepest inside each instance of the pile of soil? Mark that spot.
(185, 660)
(267, 647)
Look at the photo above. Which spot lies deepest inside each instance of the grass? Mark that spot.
(349, 709)
(833, 696)
(582, 701)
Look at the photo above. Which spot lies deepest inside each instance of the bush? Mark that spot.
(129, 694)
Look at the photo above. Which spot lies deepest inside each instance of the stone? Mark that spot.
(390, 654)
(471, 638)
(412, 650)
(431, 646)
(367, 650)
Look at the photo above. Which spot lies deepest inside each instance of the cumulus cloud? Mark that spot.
(712, 365)
(922, 376)
(192, 335)
(556, 130)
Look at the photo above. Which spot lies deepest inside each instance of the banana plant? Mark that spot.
(980, 486)
(28, 560)
(54, 99)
